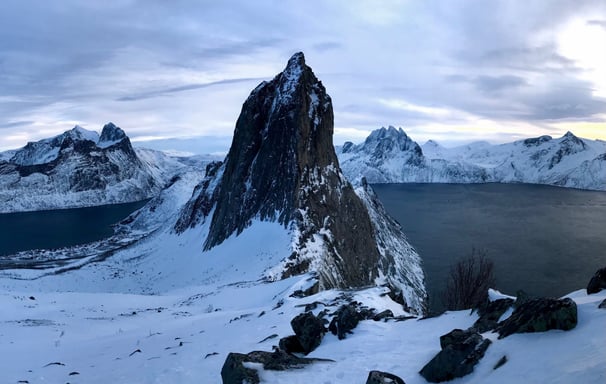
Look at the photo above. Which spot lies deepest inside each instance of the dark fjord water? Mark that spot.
(545, 240)
(60, 228)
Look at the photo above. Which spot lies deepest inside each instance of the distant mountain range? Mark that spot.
(81, 168)
(388, 155)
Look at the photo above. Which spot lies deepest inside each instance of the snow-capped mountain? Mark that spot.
(389, 156)
(81, 168)
(282, 168)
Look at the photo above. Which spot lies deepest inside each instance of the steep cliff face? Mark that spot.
(79, 168)
(282, 167)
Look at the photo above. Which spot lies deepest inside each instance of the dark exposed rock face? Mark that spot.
(461, 351)
(378, 377)
(234, 371)
(291, 344)
(540, 315)
(309, 330)
(535, 141)
(345, 319)
(282, 167)
(597, 282)
(384, 315)
(490, 314)
(111, 134)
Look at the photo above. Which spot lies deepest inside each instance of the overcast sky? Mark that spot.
(454, 71)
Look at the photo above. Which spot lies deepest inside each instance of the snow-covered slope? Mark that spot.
(568, 161)
(80, 168)
(185, 336)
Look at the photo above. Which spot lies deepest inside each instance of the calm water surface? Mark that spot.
(60, 228)
(545, 240)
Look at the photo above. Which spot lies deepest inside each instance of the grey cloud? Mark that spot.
(490, 84)
(537, 59)
(599, 23)
(562, 102)
(15, 124)
(188, 87)
(327, 46)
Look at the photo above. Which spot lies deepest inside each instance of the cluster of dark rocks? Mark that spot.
(309, 330)
(461, 350)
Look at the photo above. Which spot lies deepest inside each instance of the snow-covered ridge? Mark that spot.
(389, 156)
(82, 168)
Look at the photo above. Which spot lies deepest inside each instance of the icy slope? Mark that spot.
(80, 168)
(568, 161)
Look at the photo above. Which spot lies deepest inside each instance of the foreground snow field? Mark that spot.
(184, 336)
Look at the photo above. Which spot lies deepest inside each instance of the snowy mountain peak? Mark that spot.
(571, 140)
(296, 64)
(569, 134)
(282, 168)
(47, 150)
(383, 133)
(384, 140)
(79, 133)
(110, 135)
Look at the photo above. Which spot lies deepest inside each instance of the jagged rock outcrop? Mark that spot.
(389, 156)
(79, 168)
(597, 282)
(378, 377)
(490, 313)
(282, 167)
(461, 351)
(344, 320)
(540, 315)
(234, 370)
(309, 330)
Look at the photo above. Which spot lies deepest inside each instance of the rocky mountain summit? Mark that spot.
(80, 168)
(282, 168)
(389, 156)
